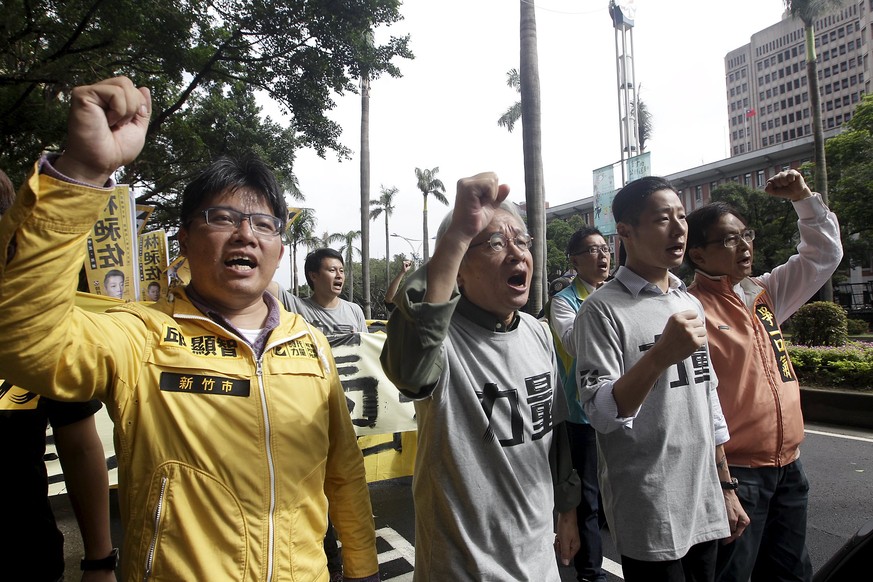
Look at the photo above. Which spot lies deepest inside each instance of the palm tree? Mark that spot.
(428, 183)
(365, 177)
(349, 249)
(385, 204)
(297, 233)
(808, 11)
(532, 137)
(513, 114)
(644, 122)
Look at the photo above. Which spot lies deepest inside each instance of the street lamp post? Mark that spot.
(409, 241)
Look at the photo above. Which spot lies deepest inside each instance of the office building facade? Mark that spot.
(766, 80)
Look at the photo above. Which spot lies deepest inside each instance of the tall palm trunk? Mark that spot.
(350, 269)
(531, 121)
(821, 168)
(808, 11)
(293, 257)
(424, 230)
(387, 255)
(365, 193)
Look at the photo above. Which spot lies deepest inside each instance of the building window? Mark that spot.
(698, 194)
(760, 181)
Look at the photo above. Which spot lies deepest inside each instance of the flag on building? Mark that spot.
(751, 112)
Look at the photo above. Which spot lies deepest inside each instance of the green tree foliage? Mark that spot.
(513, 113)
(645, 122)
(773, 220)
(378, 284)
(204, 62)
(348, 249)
(558, 233)
(298, 233)
(850, 182)
(820, 323)
(808, 11)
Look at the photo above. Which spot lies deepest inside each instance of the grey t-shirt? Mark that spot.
(347, 317)
(486, 408)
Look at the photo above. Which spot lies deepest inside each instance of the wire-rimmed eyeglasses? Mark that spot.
(229, 219)
(732, 240)
(593, 250)
(499, 241)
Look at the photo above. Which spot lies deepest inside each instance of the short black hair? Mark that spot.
(232, 174)
(154, 284)
(627, 206)
(313, 261)
(699, 222)
(573, 245)
(113, 273)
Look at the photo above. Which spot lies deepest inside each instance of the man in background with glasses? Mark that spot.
(488, 402)
(757, 387)
(589, 254)
(231, 426)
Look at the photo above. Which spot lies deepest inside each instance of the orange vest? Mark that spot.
(757, 387)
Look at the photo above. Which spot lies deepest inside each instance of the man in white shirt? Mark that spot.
(589, 254)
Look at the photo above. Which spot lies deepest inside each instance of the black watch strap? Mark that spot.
(731, 485)
(110, 562)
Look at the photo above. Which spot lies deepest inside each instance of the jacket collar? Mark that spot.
(196, 305)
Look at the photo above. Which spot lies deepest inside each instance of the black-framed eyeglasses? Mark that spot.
(499, 241)
(593, 250)
(732, 240)
(221, 218)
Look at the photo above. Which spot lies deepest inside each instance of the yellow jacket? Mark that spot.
(226, 462)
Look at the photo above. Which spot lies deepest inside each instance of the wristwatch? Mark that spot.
(731, 485)
(110, 562)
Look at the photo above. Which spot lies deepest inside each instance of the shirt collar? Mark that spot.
(588, 286)
(484, 319)
(636, 284)
(271, 323)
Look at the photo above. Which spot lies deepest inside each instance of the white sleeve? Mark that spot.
(820, 251)
(562, 318)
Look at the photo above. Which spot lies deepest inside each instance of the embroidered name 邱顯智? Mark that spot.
(200, 345)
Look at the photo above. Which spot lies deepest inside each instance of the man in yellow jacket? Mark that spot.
(231, 426)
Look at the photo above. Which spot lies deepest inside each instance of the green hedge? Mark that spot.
(848, 367)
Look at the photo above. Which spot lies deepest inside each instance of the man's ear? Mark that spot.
(182, 237)
(697, 256)
(622, 229)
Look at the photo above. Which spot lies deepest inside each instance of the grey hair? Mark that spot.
(509, 207)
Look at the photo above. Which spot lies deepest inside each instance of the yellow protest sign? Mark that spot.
(154, 259)
(111, 253)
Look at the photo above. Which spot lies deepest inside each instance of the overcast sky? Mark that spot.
(443, 111)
